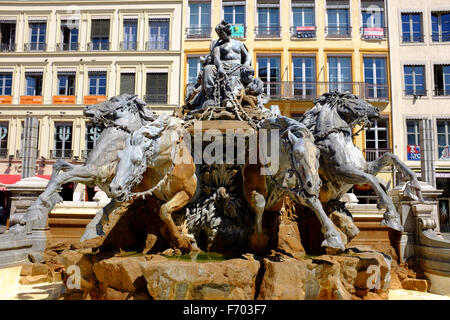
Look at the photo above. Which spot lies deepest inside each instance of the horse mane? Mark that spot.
(285, 124)
(330, 100)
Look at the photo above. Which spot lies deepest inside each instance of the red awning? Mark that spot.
(6, 179)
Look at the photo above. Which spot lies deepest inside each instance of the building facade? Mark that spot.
(56, 57)
(303, 48)
(419, 52)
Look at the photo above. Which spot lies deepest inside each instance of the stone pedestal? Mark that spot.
(23, 194)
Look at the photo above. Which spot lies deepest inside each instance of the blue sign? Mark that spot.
(237, 31)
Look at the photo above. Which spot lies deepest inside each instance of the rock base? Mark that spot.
(353, 275)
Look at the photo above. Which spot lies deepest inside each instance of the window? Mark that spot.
(199, 20)
(340, 73)
(268, 19)
(372, 15)
(63, 141)
(97, 83)
(66, 84)
(338, 19)
(129, 34)
(443, 135)
(375, 78)
(7, 35)
(440, 25)
(412, 27)
(304, 70)
(442, 80)
(127, 83)
(269, 72)
(303, 19)
(5, 84)
(234, 12)
(159, 34)
(69, 35)
(33, 84)
(3, 139)
(93, 132)
(413, 137)
(377, 139)
(414, 80)
(194, 67)
(100, 34)
(156, 88)
(37, 36)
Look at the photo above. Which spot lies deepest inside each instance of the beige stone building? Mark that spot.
(419, 45)
(56, 57)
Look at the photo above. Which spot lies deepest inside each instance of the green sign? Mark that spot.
(237, 31)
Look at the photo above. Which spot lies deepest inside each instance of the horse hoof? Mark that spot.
(393, 223)
(333, 241)
(258, 242)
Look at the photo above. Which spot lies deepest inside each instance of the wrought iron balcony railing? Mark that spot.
(7, 47)
(373, 154)
(128, 45)
(99, 46)
(155, 98)
(85, 154)
(35, 46)
(338, 32)
(268, 31)
(441, 92)
(412, 38)
(3, 153)
(416, 92)
(303, 32)
(440, 37)
(376, 92)
(67, 46)
(374, 33)
(19, 154)
(61, 154)
(309, 91)
(198, 32)
(157, 45)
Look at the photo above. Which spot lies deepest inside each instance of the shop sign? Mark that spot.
(414, 152)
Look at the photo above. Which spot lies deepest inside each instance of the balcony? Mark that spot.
(85, 154)
(376, 92)
(200, 32)
(303, 32)
(374, 33)
(373, 154)
(338, 32)
(412, 38)
(4, 153)
(440, 37)
(128, 46)
(157, 45)
(61, 154)
(35, 46)
(441, 92)
(19, 154)
(99, 46)
(7, 47)
(415, 93)
(267, 31)
(155, 98)
(308, 91)
(67, 46)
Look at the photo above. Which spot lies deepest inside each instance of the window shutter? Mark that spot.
(157, 88)
(127, 83)
(100, 28)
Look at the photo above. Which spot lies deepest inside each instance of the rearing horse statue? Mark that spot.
(342, 164)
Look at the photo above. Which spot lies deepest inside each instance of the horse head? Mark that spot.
(305, 159)
(300, 151)
(125, 110)
(349, 107)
